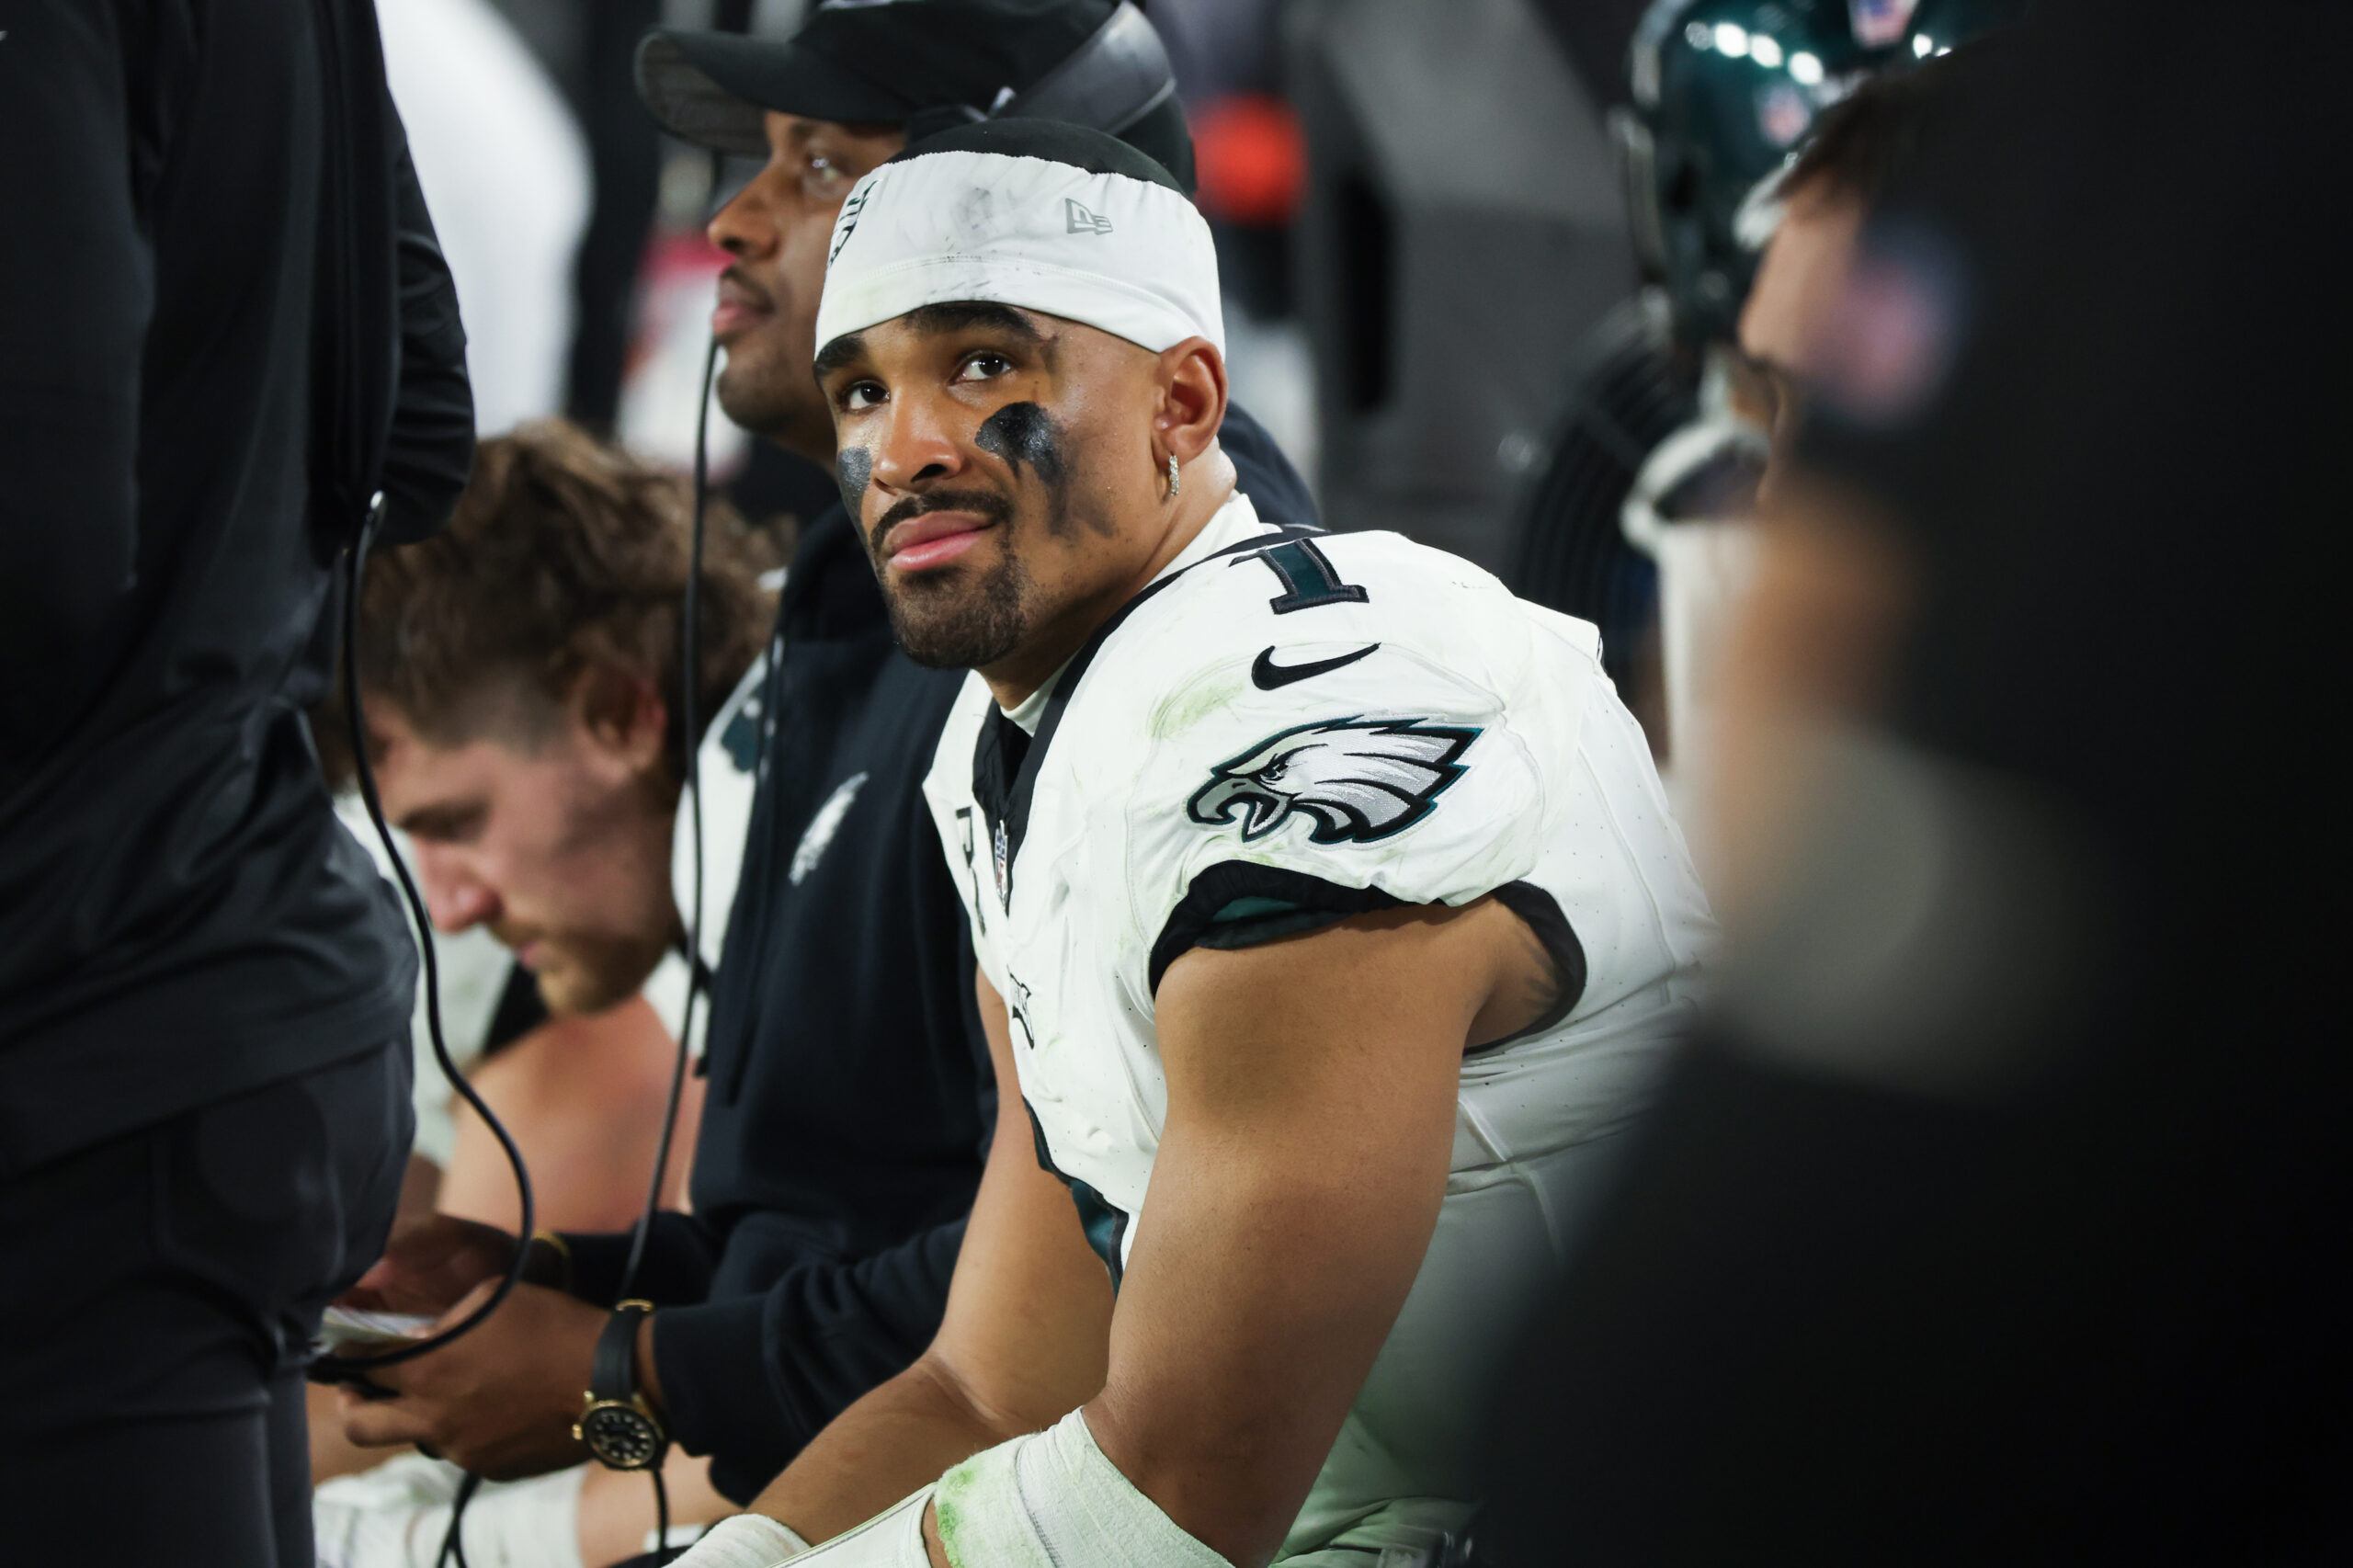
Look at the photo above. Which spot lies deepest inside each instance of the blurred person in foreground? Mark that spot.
(1999, 1216)
(1811, 213)
(1638, 519)
(1329, 917)
(224, 326)
(848, 1093)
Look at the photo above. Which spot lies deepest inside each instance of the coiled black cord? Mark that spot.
(453, 1550)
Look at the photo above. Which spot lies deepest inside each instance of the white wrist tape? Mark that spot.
(892, 1539)
(1051, 1500)
(747, 1541)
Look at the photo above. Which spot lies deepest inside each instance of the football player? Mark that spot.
(1330, 918)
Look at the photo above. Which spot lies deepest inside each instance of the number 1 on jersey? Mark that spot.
(1307, 577)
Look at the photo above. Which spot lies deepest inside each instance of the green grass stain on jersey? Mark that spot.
(1190, 704)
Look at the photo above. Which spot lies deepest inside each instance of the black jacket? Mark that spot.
(181, 917)
(850, 1099)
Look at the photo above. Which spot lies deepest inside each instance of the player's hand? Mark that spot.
(430, 1263)
(501, 1400)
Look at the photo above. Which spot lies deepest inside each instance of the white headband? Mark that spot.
(1127, 255)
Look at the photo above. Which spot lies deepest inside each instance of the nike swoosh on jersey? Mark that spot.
(1268, 675)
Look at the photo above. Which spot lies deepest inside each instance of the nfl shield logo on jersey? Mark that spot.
(1355, 780)
(1001, 857)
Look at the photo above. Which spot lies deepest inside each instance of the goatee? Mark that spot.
(952, 619)
(950, 622)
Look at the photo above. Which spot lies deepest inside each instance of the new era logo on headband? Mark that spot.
(847, 224)
(1082, 222)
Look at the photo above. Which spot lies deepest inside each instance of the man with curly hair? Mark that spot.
(522, 687)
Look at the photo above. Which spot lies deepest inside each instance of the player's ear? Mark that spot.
(624, 715)
(1192, 398)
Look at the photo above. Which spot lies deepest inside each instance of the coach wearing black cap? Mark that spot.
(922, 67)
(855, 85)
(841, 1139)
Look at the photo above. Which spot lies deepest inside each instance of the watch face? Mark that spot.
(621, 1436)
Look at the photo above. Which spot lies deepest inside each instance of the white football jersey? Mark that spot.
(1284, 728)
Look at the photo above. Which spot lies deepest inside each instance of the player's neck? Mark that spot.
(1050, 644)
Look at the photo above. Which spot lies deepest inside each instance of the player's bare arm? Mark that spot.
(1311, 1115)
(1022, 1342)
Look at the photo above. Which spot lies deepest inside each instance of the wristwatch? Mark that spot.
(618, 1427)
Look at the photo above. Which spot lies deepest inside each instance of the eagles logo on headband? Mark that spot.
(1036, 214)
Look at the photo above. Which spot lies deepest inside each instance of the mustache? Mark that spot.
(980, 503)
(735, 274)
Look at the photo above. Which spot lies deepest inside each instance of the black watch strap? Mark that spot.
(613, 1373)
(616, 1421)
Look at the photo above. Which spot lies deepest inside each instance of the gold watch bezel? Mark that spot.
(635, 1404)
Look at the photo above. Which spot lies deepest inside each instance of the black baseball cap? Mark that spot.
(926, 64)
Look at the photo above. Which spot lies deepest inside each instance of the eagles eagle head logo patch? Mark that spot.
(1355, 780)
